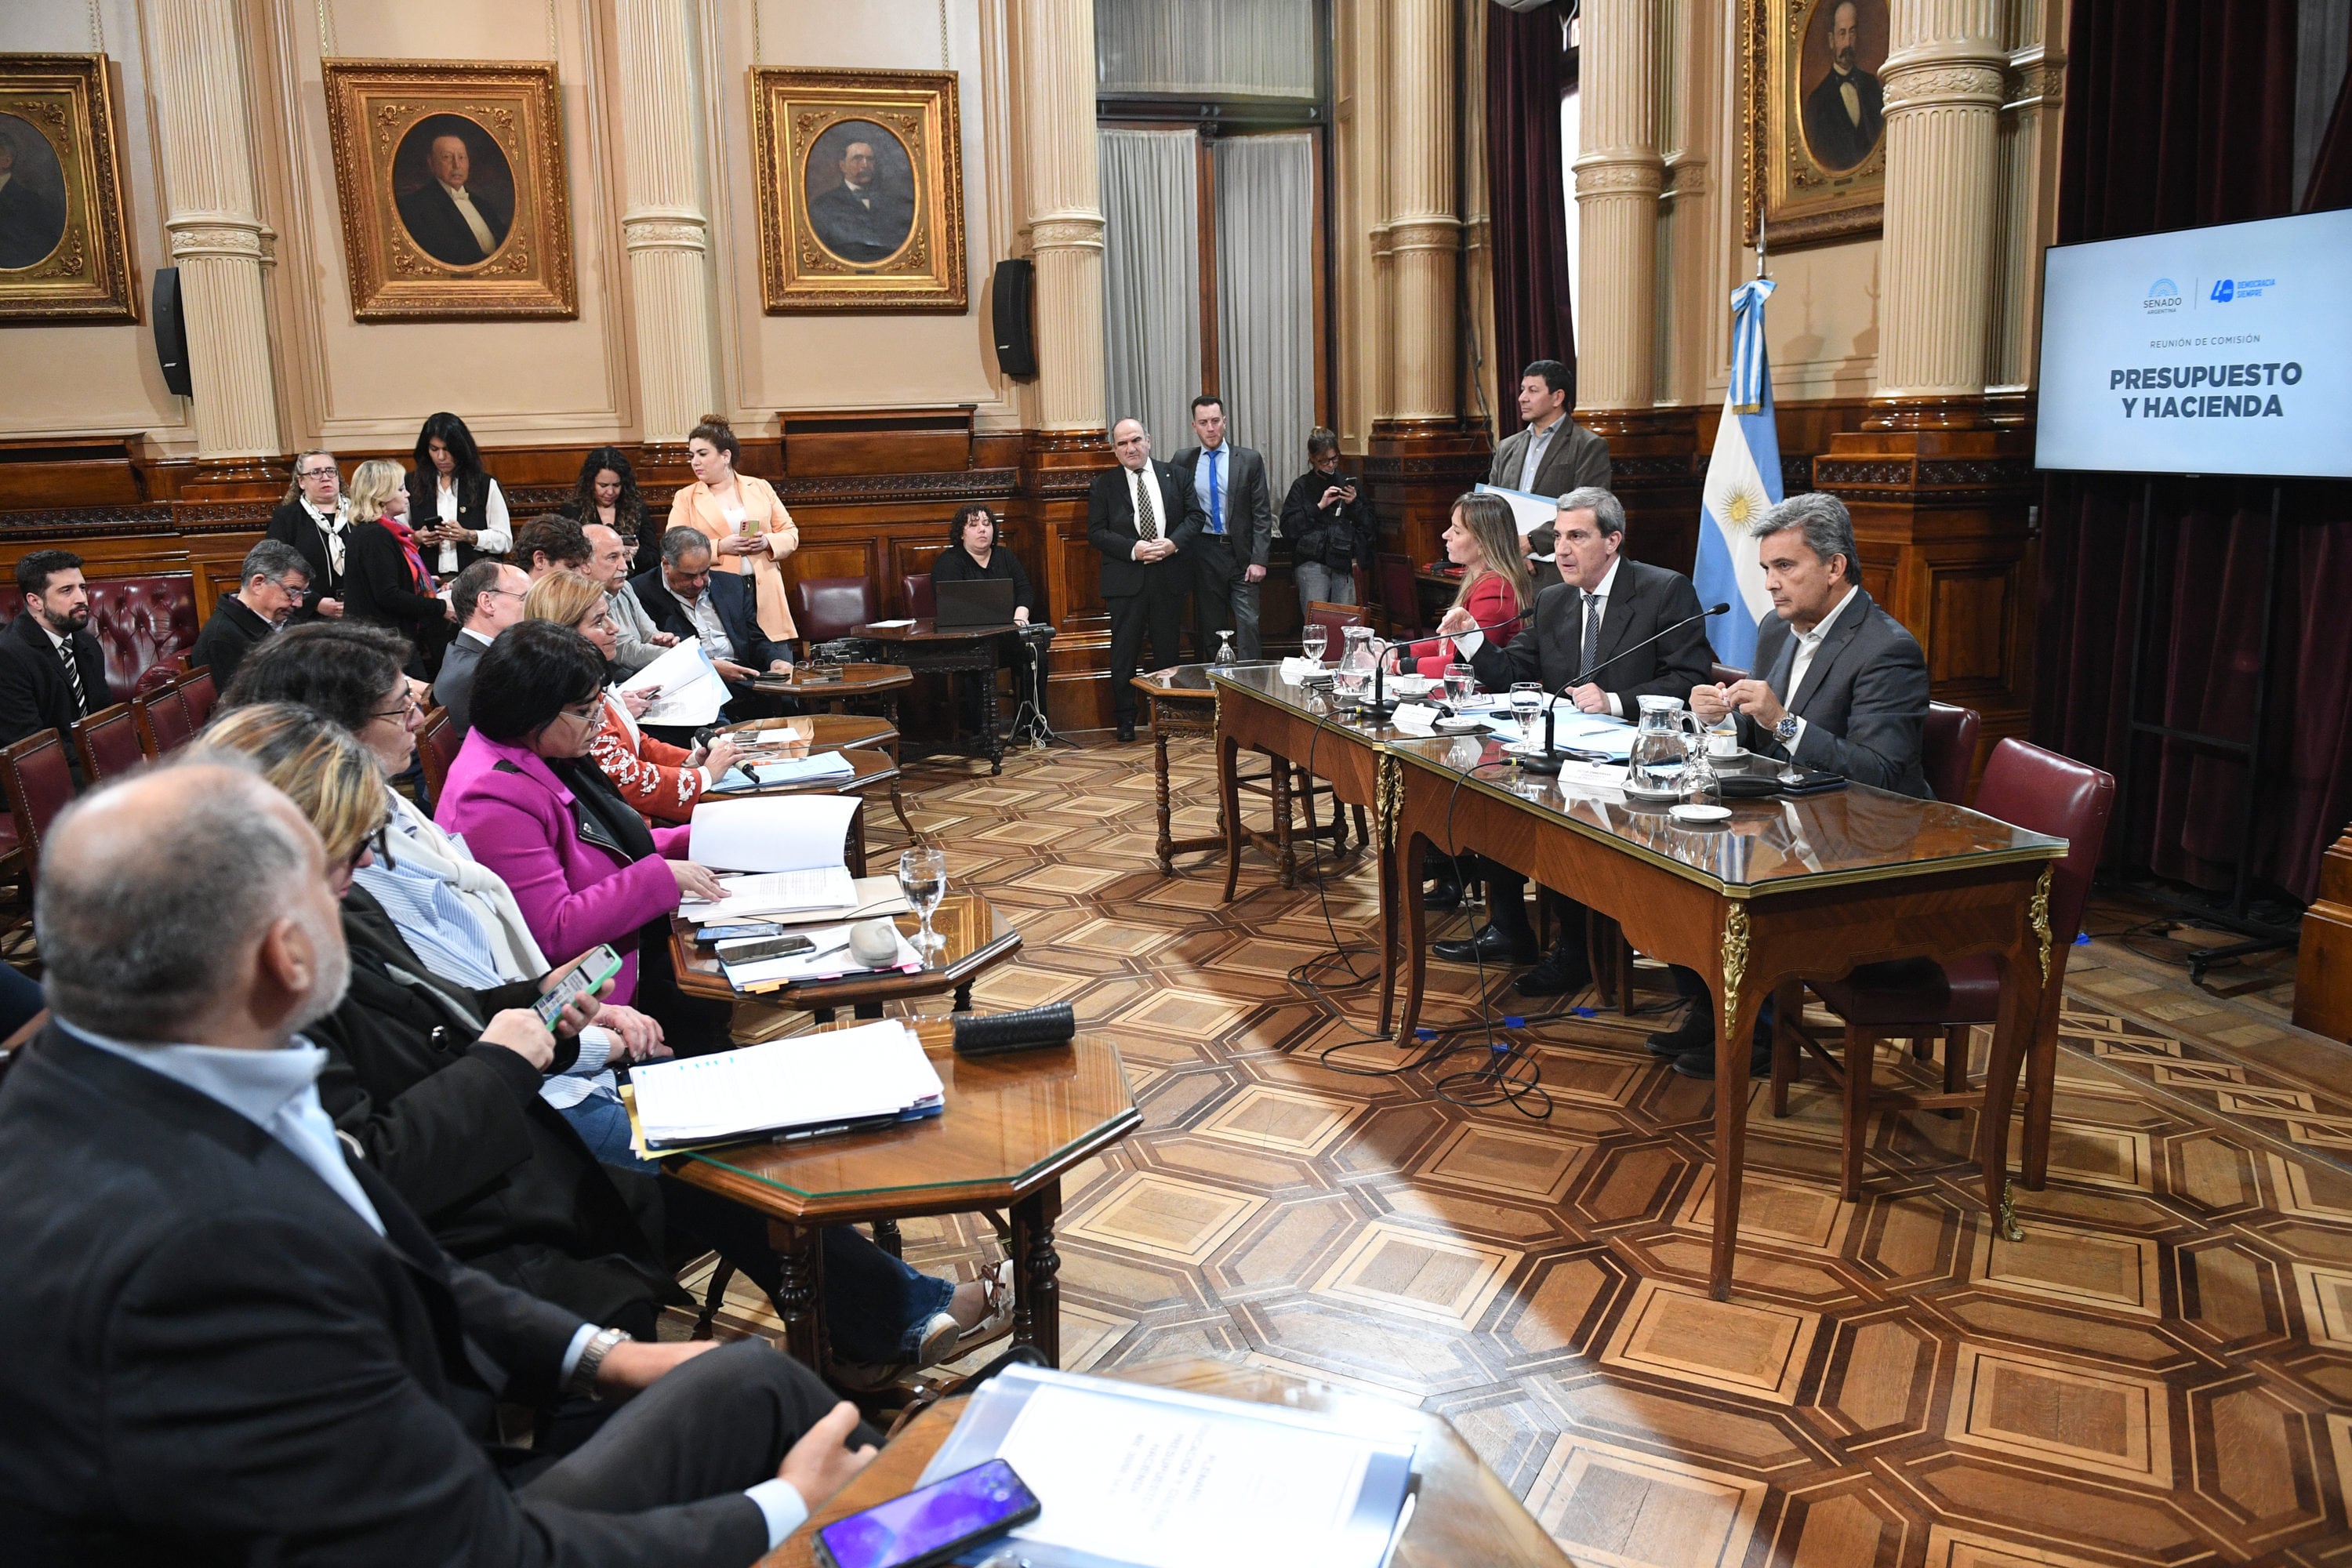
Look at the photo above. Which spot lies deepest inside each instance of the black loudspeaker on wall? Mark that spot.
(1016, 344)
(172, 333)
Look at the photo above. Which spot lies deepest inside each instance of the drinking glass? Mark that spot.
(1313, 638)
(923, 878)
(1527, 701)
(1461, 683)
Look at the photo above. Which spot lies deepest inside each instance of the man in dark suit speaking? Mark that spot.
(249, 1349)
(1142, 517)
(451, 223)
(1846, 110)
(1594, 620)
(857, 220)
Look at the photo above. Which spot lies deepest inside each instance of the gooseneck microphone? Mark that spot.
(1550, 762)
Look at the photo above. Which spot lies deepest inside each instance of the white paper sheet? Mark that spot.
(1528, 511)
(805, 1081)
(783, 833)
(751, 775)
(691, 691)
(1165, 1487)
(826, 893)
(829, 959)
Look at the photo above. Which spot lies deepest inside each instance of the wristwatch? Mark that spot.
(592, 1356)
(1785, 731)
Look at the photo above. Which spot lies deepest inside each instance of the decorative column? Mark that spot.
(1618, 176)
(1938, 492)
(1055, 60)
(664, 225)
(1944, 78)
(1425, 231)
(214, 219)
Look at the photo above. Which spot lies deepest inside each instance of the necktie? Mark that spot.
(1591, 636)
(1146, 526)
(1216, 499)
(73, 674)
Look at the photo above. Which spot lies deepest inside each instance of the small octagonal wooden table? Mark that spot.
(1012, 1126)
(829, 686)
(978, 938)
(810, 734)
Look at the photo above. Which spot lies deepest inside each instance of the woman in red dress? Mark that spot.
(1483, 540)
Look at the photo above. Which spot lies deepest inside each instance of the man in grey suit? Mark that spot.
(1553, 455)
(1229, 562)
(1843, 690)
(487, 598)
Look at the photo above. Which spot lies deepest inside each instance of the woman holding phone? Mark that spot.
(749, 529)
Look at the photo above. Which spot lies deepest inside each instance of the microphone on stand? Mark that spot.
(1378, 707)
(1550, 762)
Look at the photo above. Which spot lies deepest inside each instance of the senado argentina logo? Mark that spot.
(2163, 298)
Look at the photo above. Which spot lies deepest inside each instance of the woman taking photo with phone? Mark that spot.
(1328, 524)
(458, 509)
(749, 529)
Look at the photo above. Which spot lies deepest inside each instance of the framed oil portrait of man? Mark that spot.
(64, 255)
(861, 190)
(451, 181)
(1816, 155)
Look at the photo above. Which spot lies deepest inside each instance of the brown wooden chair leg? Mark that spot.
(1860, 1050)
(1787, 1059)
(1363, 832)
(1956, 1064)
(1624, 977)
(899, 804)
(712, 1300)
(1923, 1047)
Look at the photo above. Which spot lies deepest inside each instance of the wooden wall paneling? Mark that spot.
(1058, 470)
(2323, 970)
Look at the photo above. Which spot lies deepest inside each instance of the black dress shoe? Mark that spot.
(1492, 944)
(1127, 729)
(1695, 1033)
(1564, 971)
(1442, 894)
(1700, 1063)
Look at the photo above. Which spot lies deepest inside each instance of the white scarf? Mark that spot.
(422, 843)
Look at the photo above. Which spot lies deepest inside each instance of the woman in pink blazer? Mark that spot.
(1483, 540)
(749, 529)
(585, 869)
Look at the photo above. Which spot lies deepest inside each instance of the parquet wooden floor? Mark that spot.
(2161, 1373)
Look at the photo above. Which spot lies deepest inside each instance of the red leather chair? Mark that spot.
(197, 691)
(1948, 751)
(921, 603)
(41, 784)
(1400, 596)
(107, 743)
(2033, 789)
(164, 722)
(436, 748)
(827, 608)
(1334, 619)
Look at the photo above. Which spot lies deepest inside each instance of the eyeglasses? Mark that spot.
(583, 712)
(508, 593)
(408, 705)
(317, 474)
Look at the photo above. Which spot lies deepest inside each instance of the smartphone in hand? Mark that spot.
(601, 964)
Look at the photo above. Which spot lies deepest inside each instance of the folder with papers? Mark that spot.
(837, 1080)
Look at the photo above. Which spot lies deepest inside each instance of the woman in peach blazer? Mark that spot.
(749, 529)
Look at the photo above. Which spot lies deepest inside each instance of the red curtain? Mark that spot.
(2182, 113)
(1526, 202)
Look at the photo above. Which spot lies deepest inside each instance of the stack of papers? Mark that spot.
(1156, 1478)
(834, 1081)
(691, 691)
(828, 959)
(751, 775)
(791, 845)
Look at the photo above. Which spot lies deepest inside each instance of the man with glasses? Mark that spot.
(487, 598)
(316, 519)
(272, 584)
(687, 599)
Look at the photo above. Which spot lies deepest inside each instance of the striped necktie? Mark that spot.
(73, 674)
(1146, 526)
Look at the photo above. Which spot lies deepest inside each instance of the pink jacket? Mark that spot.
(520, 821)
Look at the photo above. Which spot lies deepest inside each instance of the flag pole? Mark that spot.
(1760, 242)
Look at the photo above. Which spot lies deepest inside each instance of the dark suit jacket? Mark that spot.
(1643, 601)
(1249, 503)
(35, 694)
(730, 597)
(381, 588)
(30, 225)
(1575, 459)
(432, 221)
(459, 1131)
(1864, 702)
(454, 688)
(1837, 141)
(292, 524)
(1110, 528)
(230, 633)
(233, 1367)
(850, 230)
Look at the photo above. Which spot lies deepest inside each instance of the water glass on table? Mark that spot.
(1527, 701)
(1461, 683)
(1313, 638)
(923, 878)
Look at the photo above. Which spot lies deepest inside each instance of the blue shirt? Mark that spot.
(1209, 484)
(277, 1091)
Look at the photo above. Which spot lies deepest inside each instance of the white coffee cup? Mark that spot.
(1722, 744)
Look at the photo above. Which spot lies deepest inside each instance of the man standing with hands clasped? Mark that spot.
(1237, 530)
(1140, 516)
(1844, 690)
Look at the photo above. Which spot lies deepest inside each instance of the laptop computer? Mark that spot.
(984, 602)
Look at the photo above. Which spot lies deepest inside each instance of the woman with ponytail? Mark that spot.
(749, 529)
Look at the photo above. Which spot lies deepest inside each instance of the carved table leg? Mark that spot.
(886, 1238)
(1037, 1295)
(1286, 858)
(1167, 845)
(989, 740)
(800, 1293)
(963, 997)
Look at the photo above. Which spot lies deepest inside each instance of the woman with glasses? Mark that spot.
(387, 583)
(661, 781)
(314, 520)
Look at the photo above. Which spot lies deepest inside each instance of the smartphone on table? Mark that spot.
(932, 1525)
(599, 964)
(706, 935)
(769, 947)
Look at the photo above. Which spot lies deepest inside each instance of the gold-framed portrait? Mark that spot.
(452, 186)
(1816, 113)
(861, 190)
(63, 254)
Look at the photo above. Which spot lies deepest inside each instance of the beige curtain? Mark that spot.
(1151, 281)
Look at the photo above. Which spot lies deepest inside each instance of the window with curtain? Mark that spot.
(1212, 48)
(1266, 219)
(1151, 281)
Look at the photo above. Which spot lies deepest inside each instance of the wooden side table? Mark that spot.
(1184, 705)
(817, 732)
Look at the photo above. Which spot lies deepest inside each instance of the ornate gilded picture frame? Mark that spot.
(452, 186)
(63, 255)
(1816, 143)
(861, 190)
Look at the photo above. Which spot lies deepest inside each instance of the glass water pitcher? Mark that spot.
(1661, 748)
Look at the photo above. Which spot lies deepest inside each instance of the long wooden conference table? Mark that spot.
(1789, 889)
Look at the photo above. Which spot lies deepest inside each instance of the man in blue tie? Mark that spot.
(1229, 558)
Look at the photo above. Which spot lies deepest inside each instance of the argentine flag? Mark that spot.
(1743, 479)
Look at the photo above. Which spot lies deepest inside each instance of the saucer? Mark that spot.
(1701, 813)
